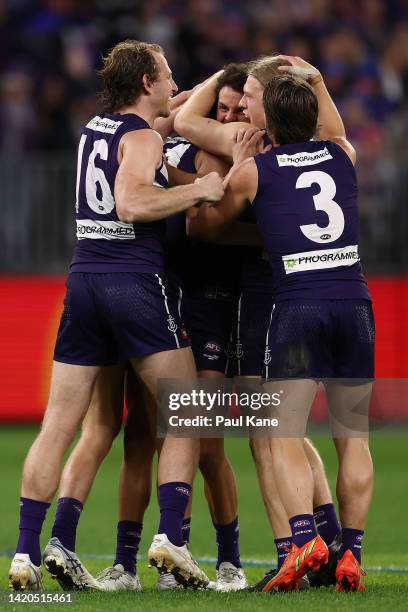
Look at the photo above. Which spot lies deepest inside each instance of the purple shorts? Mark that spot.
(253, 312)
(208, 317)
(111, 317)
(320, 339)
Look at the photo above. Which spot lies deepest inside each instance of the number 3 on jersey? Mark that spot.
(95, 176)
(322, 201)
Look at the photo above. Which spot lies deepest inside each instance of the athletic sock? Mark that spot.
(283, 546)
(32, 517)
(66, 521)
(228, 543)
(185, 529)
(127, 544)
(351, 540)
(327, 522)
(173, 498)
(303, 529)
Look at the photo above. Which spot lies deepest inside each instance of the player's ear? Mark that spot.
(147, 84)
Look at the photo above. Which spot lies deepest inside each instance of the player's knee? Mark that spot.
(99, 441)
(212, 456)
(259, 449)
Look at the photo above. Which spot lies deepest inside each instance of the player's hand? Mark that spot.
(211, 187)
(248, 142)
(299, 67)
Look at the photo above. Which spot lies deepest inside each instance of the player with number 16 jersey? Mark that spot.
(108, 254)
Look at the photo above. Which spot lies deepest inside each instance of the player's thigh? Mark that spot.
(70, 394)
(106, 407)
(175, 364)
(349, 406)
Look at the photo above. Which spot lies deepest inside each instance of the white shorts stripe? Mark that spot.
(172, 327)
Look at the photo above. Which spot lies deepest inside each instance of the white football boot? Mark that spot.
(66, 567)
(24, 575)
(229, 578)
(117, 579)
(177, 560)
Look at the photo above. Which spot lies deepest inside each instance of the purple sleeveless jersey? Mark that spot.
(106, 244)
(306, 209)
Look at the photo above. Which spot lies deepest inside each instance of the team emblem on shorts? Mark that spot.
(238, 350)
(268, 357)
(172, 325)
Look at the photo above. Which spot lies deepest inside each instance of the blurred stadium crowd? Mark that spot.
(49, 50)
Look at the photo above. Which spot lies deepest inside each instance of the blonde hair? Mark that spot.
(265, 68)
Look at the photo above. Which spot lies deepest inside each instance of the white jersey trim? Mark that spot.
(107, 126)
(305, 158)
(104, 230)
(319, 260)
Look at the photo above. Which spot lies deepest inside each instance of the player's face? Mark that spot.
(164, 87)
(229, 108)
(252, 102)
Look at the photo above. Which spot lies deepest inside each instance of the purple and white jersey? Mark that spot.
(106, 244)
(306, 209)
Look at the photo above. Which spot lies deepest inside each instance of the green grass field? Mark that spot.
(385, 544)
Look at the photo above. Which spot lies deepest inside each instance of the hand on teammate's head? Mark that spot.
(299, 67)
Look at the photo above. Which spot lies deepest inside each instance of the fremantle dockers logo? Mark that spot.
(238, 350)
(268, 357)
(172, 326)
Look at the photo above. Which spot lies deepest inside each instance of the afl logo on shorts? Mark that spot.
(172, 326)
(267, 357)
(325, 236)
(213, 347)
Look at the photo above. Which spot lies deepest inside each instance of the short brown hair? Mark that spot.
(265, 68)
(234, 76)
(123, 70)
(291, 109)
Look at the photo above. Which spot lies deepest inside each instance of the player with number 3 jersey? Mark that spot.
(304, 196)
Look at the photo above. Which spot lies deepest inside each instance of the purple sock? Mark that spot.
(66, 521)
(327, 522)
(283, 546)
(127, 544)
(173, 498)
(228, 543)
(32, 517)
(303, 529)
(185, 529)
(351, 540)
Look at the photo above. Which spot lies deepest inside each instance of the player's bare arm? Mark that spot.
(330, 123)
(137, 199)
(241, 190)
(208, 134)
